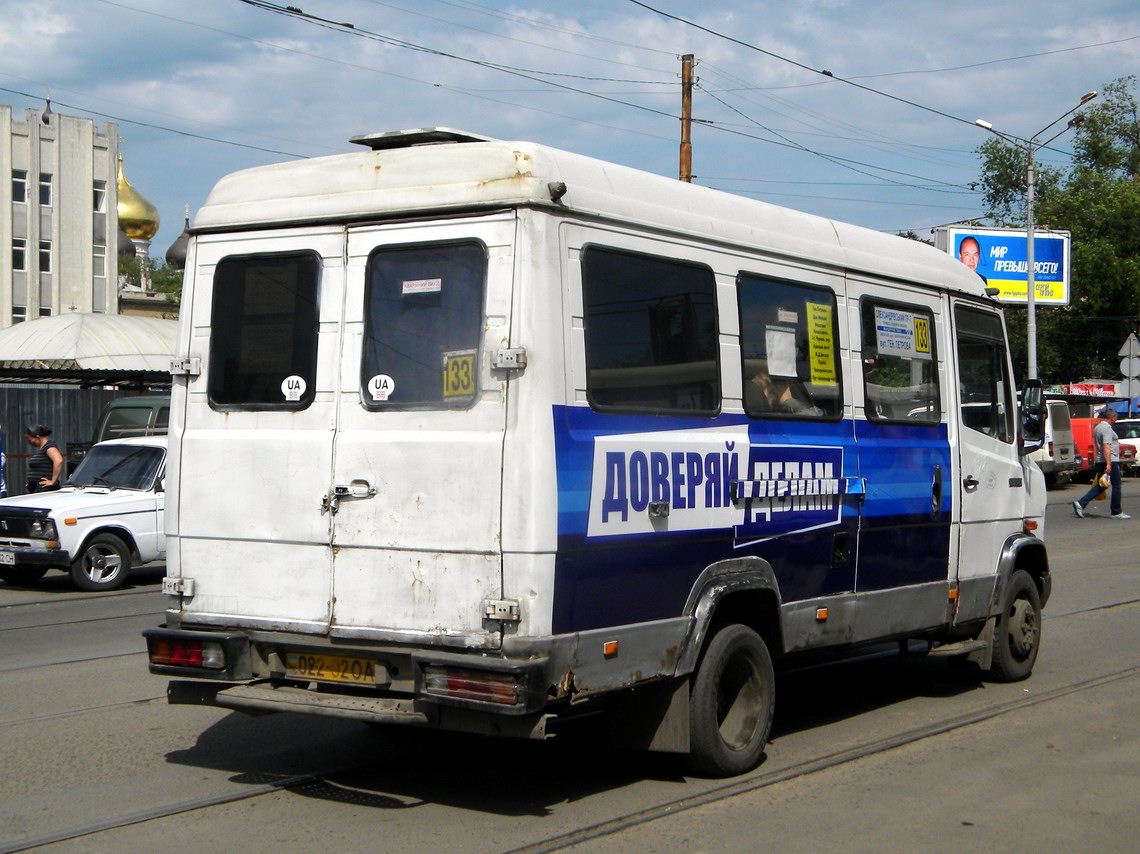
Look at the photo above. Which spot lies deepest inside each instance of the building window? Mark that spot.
(45, 256)
(99, 261)
(19, 254)
(45, 311)
(45, 190)
(19, 313)
(100, 196)
(19, 186)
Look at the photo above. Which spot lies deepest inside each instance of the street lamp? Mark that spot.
(1029, 146)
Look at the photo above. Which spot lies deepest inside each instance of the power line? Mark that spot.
(797, 64)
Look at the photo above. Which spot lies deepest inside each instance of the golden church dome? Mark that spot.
(137, 217)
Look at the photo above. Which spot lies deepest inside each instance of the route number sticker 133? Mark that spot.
(459, 374)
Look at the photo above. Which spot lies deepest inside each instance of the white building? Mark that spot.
(58, 214)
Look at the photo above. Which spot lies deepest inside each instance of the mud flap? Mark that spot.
(653, 717)
(984, 657)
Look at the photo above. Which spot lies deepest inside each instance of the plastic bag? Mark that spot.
(1104, 483)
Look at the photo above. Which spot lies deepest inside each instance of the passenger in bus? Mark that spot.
(779, 395)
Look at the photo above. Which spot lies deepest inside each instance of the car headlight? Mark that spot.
(43, 529)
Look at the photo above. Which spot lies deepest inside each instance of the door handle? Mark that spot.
(971, 483)
(359, 488)
(936, 490)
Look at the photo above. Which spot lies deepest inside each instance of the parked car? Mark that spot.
(1128, 429)
(106, 519)
(1082, 435)
(1058, 458)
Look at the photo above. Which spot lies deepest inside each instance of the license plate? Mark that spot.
(330, 668)
(8, 558)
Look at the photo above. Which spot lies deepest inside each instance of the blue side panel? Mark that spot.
(786, 491)
(905, 529)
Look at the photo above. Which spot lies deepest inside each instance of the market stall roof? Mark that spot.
(89, 350)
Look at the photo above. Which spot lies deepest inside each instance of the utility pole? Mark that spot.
(687, 118)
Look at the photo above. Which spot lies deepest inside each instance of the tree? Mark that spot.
(1097, 198)
(164, 279)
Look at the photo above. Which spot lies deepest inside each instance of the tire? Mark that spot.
(731, 704)
(1017, 635)
(103, 564)
(23, 576)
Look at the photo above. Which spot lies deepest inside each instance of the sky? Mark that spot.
(858, 110)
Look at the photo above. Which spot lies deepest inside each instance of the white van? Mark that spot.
(477, 434)
(1057, 457)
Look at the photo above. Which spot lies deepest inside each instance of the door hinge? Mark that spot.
(506, 610)
(510, 359)
(189, 367)
(178, 586)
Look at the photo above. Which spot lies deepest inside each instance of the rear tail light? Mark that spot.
(186, 653)
(481, 685)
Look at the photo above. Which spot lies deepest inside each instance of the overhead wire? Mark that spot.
(830, 75)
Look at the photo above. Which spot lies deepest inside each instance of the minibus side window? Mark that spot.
(651, 334)
(263, 350)
(789, 341)
(423, 326)
(985, 389)
(900, 366)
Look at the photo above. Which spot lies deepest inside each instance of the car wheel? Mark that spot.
(102, 565)
(731, 704)
(1017, 636)
(25, 576)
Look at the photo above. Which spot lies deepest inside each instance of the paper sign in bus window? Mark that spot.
(902, 333)
(421, 286)
(780, 342)
(821, 343)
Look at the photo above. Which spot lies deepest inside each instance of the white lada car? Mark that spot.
(106, 519)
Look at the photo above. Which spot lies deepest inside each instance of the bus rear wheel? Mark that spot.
(731, 704)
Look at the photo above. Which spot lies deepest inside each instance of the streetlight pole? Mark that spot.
(1029, 146)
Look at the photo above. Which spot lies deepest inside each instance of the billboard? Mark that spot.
(998, 255)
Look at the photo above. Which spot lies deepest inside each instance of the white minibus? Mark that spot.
(481, 435)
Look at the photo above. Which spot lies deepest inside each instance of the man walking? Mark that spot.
(1107, 446)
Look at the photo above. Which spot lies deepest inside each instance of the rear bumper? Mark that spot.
(248, 674)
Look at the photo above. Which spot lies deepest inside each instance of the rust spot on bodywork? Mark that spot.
(522, 171)
(565, 687)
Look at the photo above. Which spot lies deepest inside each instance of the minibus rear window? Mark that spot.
(651, 334)
(263, 351)
(423, 325)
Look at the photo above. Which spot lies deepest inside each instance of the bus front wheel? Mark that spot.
(1017, 635)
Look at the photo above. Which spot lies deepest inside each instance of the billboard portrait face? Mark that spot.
(970, 252)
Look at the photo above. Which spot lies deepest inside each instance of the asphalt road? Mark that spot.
(885, 753)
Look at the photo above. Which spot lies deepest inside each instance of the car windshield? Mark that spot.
(119, 466)
(1128, 429)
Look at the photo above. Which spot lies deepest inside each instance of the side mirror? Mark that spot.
(1032, 417)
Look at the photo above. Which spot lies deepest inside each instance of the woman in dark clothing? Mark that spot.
(46, 464)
